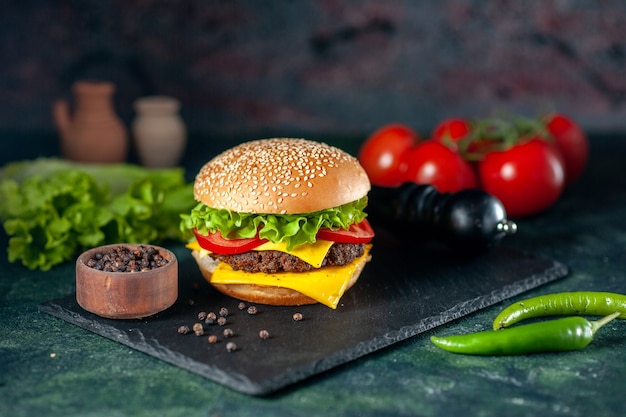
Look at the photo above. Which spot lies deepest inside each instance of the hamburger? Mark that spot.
(281, 222)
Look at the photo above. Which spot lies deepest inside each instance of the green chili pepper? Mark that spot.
(570, 333)
(562, 304)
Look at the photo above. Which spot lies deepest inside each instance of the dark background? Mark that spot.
(327, 68)
(317, 68)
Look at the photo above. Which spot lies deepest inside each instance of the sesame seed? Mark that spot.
(270, 168)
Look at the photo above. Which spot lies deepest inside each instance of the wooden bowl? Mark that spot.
(126, 295)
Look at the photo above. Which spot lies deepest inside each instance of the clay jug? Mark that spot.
(159, 132)
(93, 133)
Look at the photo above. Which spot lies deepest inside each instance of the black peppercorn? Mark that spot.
(122, 259)
(198, 329)
(210, 318)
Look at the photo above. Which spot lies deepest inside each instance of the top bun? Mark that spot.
(281, 176)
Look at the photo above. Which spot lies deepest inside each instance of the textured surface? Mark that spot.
(50, 367)
(319, 66)
(391, 302)
(280, 176)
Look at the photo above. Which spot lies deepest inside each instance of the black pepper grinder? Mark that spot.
(469, 221)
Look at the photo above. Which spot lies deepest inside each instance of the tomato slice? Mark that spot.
(357, 233)
(216, 243)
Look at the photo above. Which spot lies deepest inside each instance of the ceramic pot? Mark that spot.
(93, 133)
(159, 132)
(126, 295)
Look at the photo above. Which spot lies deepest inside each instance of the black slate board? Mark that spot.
(403, 291)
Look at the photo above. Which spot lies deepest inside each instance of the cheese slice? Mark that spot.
(313, 253)
(194, 245)
(325, 285)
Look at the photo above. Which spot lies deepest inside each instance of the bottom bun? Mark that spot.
(262, 294)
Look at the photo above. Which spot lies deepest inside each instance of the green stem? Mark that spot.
(604, 320)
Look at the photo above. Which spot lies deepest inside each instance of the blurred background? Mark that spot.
(318, 68)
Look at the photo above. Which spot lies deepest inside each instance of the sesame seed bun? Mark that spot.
(281, 176)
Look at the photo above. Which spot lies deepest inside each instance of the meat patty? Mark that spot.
(272, 261)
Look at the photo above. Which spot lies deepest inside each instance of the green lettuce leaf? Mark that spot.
(53, 209)
(294, 229)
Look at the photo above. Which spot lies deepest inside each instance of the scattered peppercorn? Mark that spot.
(210, 318)
(221, 319)
(123, 259)
(198, 329)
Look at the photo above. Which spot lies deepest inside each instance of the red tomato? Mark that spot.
(526, 178)
(572, 143)
(456, 134)
(357, 233)
(451, 131)
(382, 153)
(433, 163)
(216, 243)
